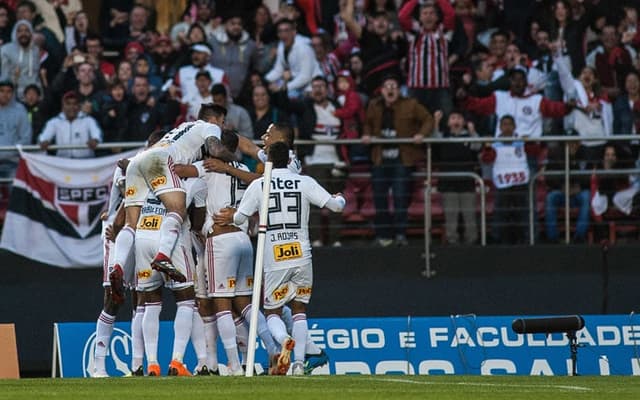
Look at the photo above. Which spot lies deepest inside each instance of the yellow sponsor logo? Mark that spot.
(145, 274)
(130, 191)
(231, 283)
(279, 294)
(159, 181)
(150, 223)
(304, 291)
(287, 251)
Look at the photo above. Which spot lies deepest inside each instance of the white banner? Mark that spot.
(55, 206)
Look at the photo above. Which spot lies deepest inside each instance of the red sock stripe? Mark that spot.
(299, 317)
(159, 303)
(175, 216)
(222, 314)
(245, 311)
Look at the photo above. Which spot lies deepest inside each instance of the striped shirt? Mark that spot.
(429, 61)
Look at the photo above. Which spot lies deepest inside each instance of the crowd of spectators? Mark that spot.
(350, 69)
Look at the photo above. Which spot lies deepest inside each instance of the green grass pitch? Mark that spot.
(328, 388)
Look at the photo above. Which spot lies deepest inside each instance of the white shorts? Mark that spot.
(151, 170)
(229, 265)
(150, 279)
(284, 285)
(108, 260)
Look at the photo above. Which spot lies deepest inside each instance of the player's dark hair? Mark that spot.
(285, 130)
(229, 139)
(209, 110)
(279, 154)
(155, 136)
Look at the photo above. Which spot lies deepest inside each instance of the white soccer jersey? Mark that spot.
(184, 142)
(287, 242)
(294, 164)
(224, 191)
(115, 198)
(153, 211)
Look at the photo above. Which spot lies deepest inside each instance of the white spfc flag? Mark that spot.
(55, 206)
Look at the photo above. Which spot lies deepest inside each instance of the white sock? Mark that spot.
(227, 331)
(198, 340)
(182, 328)
(299, 333)
(151, 330)
(169, 232)
(211, 336)
(277, 328)
(138, 339)
(104, 328)
(311, 347)
(123, 245)
(263, 329)
(242, 338)
(287, 318)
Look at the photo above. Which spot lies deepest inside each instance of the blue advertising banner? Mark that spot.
(461, 344)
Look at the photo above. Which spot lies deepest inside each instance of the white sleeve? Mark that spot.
(250, 202)
(278, 67)
(316, 194)
(49, 131)
(262, 155)
(199, 165)
(239, 218)
(336, 204)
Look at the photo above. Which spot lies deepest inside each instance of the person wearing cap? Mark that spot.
(202, 96)
(528, 110)
(185, 78)
(295, 63)
(71, 127)
(392, 116)
(20, 58)
(15, 128)
(234, 51)
(164, 58)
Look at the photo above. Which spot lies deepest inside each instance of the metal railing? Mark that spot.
(567, 195)
(428, 142)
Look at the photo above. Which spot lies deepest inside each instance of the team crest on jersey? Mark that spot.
(159, 181)
(82, 206)
(527, 110)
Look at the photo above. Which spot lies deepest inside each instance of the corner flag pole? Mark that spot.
(257, 272)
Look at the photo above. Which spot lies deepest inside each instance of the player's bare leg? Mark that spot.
(174, 202)
(123, 245)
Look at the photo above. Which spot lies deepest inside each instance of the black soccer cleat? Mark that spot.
(166, 267)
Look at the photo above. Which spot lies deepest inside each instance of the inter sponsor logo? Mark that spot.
(150, 223)
(159, 181)
(287, 251)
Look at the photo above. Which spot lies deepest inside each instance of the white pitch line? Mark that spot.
(563, 387)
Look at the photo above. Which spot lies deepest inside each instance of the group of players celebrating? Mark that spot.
(178, 217)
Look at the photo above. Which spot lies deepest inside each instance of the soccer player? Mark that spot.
(113, 220)
(288, 273)
(153, 171)
(275, 133)
(151, 281)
